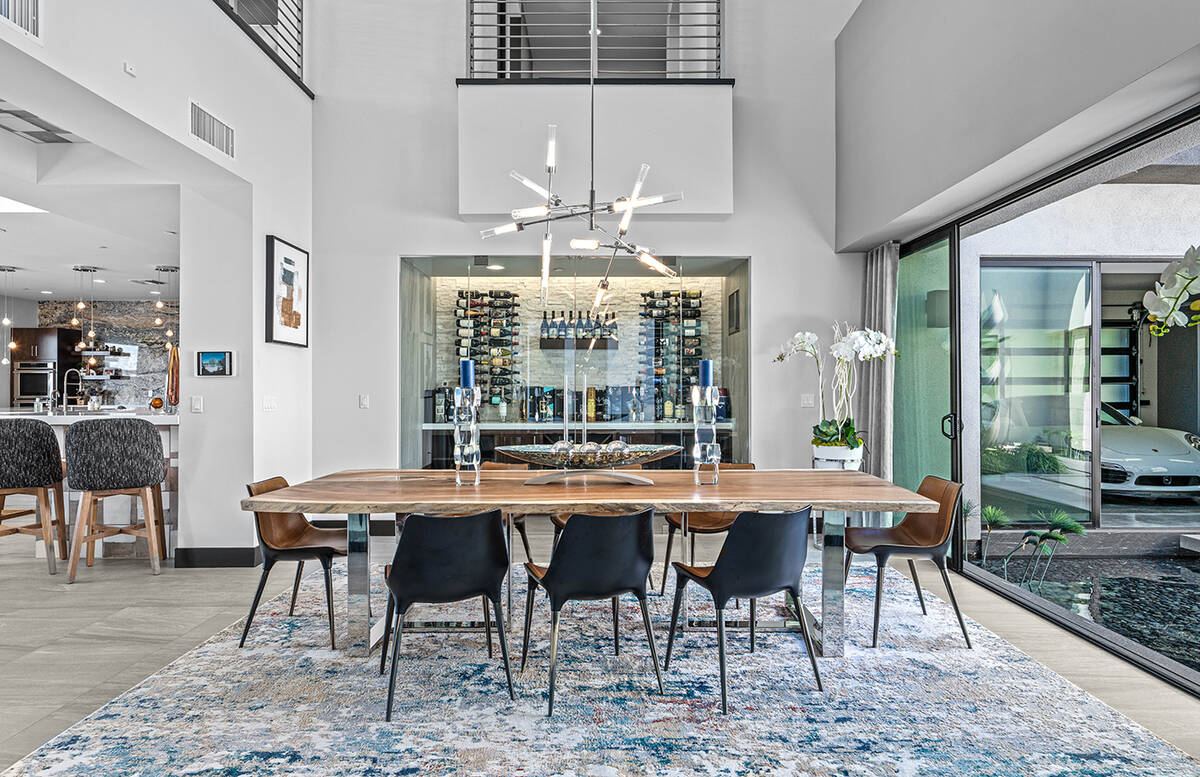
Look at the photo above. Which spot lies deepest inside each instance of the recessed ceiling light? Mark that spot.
(13, 206)
(101, 280)
(47, 291)
(155, 291)
(494, 266)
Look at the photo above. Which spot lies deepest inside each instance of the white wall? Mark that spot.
(385, 126)
(191, 51)
(22, 312)
(943, 102)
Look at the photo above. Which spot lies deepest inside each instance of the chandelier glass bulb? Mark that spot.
(91, 361)
(80, 345)
(585, 244)
(80, 305)
(535, 212)
(4, 360)
(5, 321)
(170, 333)
(12, 345)
(158, 303)
(158, 320)
(91, 333)
(168, 346)
(546, 264)
(75, 321)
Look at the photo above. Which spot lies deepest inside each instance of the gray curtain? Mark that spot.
(874, 396)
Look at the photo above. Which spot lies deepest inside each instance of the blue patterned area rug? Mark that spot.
(921, 704)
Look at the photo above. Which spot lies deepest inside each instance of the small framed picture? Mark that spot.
(733, 311)
(287, 293)
(214, 364)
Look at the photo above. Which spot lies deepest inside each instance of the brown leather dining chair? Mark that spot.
(917, 535)
(697, 523)
(518, 520)
(290, 537)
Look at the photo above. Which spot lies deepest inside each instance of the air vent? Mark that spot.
(147, 282)
(212, 130)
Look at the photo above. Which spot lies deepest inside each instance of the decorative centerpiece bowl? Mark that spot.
(590, 458)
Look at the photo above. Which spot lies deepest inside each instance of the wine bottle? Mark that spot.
(501, 362)
(495, 294)
(504, 304)
(502, 352)
(498, 331)
(462, 332)
(668, 409)
(545, 330)
(472, 303)
(464, 294)
(693, 313)
(571, 326)
(658, 402)
(612, 327)
(658, 303)
(690, 303)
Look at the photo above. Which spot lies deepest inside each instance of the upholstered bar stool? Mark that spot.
(114, 457)
(30, 464)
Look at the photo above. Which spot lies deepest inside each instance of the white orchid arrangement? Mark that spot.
(1177, 284)
(850, 348)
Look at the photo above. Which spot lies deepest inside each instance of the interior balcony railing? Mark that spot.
(639, 39)
(277, 26)
(25, 14)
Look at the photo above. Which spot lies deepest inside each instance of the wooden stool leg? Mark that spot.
(60, 520)
(162, 528)
(43, 508)
(151, 530)
(81, 526)
(93, 508)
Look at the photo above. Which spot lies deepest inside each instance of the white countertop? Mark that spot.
(597, 426)
(59, 419)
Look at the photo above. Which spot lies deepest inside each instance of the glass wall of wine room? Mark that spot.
(622, 370)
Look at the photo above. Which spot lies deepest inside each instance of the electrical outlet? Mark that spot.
(364, 401)
(808, 400)
(197, 404)
(270, 403)
(130, 70)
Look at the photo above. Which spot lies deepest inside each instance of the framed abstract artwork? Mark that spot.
(287, 293)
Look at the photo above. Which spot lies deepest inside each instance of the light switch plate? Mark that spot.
(197, 404)
(270, 403)
(364, 401)
(808, 400)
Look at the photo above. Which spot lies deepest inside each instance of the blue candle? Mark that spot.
(466, 373)
(706, 373)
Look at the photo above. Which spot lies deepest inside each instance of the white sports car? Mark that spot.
(1138, 460)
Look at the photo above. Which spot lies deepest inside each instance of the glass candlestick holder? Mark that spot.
(706, 449)
(466, 432)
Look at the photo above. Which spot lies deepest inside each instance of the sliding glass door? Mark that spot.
(925, 422)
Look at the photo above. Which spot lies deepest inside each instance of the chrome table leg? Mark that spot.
(833, 584)
(358, 584)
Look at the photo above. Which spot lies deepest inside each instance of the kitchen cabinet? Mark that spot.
(35, 344)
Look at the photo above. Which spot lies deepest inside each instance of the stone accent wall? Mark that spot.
(126, 323)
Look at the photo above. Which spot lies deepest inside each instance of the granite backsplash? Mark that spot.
(129, 324)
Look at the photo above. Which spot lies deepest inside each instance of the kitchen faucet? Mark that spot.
(64, 385)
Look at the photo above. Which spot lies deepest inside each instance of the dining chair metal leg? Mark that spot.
(616, 626)
(262, 583)
(519, 525)
(679, 586)
(667, 558)
(693, 548)
(753, 613)
(721, 658)
(808, 643)
(503, 637)
(528, 622)
(849, 558)
(650, 639)
(912, 567)
(296, 588)
(387, 631)
(395, 661)
(327, 564)
(487, 625)
(553, 657)
(954, 602)
(879, 565)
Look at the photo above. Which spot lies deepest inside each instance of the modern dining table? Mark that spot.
(359, 494)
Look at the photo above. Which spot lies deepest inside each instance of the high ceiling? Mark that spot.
(33, 128)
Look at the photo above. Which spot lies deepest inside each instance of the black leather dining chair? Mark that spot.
(597, 557)
(442, 559)
(763, 554)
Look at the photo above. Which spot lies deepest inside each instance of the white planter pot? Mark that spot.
(837, 457)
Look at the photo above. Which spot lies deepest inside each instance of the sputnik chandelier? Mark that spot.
(556, 209)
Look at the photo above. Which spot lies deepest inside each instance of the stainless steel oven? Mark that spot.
(32, 380)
